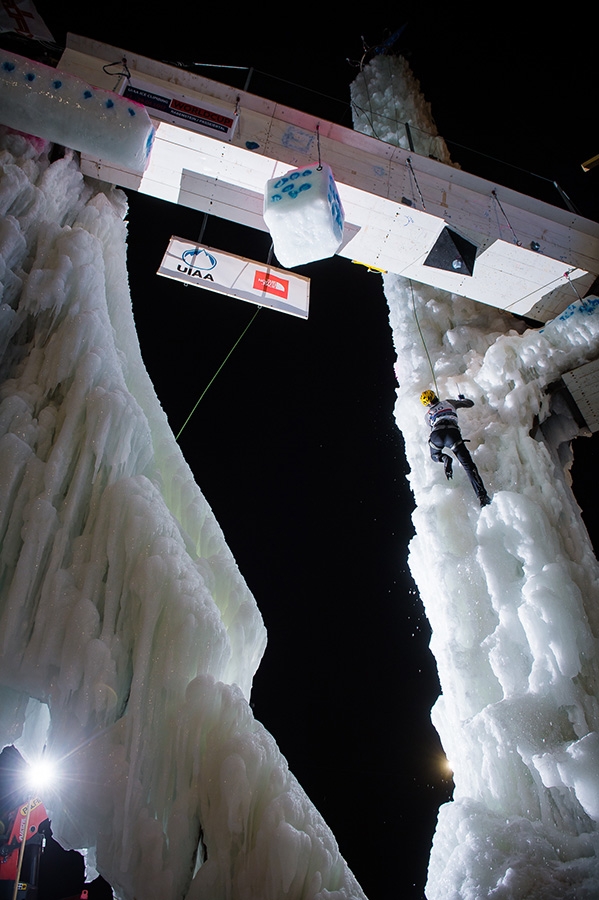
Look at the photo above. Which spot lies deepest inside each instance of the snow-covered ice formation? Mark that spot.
(129, 637)
(511, 591)
(512, 596)
(304, 215)
(386, 96)
(60, 107)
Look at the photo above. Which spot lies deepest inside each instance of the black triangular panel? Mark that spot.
(453, 253)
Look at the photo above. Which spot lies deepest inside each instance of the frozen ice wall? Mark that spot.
(129, 639)
(385, 96)
(512, 596)
(511, 593)
(59, 107)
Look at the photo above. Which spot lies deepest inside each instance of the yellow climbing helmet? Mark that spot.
(427, 398)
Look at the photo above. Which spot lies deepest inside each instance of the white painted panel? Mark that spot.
(377, 183)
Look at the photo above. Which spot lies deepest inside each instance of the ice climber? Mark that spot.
(442, 417)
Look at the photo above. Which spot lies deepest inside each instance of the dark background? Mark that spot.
(294, 445)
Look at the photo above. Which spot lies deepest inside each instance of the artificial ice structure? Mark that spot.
(130, 639)
(129, 636)
(512, 592)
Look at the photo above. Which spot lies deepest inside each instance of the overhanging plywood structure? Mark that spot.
(583, 384)
(532, 258)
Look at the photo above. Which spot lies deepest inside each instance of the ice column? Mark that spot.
(385, 96)
(511, 592)
(129, 638)
(59, 107)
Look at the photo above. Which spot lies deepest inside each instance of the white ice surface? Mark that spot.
(60, 107)
(129, 639)
(385, 96)
(511, 591)
(102, 529)
(304, 215)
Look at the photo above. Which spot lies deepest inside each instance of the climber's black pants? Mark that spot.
(451, 438)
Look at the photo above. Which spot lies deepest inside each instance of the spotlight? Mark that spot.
(41, 773)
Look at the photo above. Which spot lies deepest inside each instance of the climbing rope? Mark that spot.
(498, 202)
(268, 262)
(409, 164)
(571, 283)
(396, 96)
(369, 113)
(217, 372)
(422, 339)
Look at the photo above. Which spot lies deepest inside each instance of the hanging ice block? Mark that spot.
(304, 215)
(62, 108)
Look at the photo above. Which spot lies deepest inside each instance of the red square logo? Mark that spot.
(271, 283)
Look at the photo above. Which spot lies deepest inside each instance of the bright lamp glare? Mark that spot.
(42, 774)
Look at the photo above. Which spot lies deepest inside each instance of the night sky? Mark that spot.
(294, 445)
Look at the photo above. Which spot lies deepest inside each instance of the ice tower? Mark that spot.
(129, 637)
(512, 591)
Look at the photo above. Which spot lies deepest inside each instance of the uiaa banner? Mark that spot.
(236, 276)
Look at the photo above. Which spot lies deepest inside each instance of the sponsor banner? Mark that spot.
(236, 276)
(176, 109)
(22, 17)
